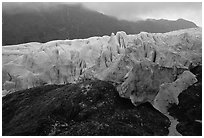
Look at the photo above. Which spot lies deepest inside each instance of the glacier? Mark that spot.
(144, 67)
(137, 64)
(149, 56)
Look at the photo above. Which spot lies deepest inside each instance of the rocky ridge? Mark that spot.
(88, 108)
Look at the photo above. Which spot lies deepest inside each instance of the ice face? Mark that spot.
(138, 64)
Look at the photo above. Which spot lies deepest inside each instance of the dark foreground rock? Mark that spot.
(91, 107)
(189, 110)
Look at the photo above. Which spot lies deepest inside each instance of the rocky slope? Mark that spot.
(88, 108)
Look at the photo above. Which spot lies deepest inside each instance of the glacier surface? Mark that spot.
(143, 67)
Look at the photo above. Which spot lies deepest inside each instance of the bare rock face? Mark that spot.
(137, 64)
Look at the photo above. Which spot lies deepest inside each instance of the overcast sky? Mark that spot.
(134, 11)
(137, 10)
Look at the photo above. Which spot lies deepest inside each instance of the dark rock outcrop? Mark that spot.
(189, 110)
(91, 107)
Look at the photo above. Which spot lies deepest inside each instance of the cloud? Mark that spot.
(131, 11)
(137, 10)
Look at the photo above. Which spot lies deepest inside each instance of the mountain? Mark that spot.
(40, 22)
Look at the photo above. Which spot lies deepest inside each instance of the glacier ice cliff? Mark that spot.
(141, 66)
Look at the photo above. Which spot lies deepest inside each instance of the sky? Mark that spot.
(134, 11)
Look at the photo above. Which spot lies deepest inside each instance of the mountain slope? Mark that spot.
(61, 21)
(89, 108)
